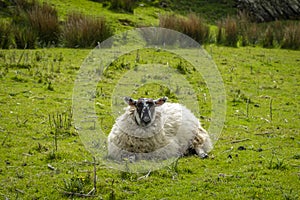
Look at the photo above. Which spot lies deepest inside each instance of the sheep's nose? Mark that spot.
(146, 119)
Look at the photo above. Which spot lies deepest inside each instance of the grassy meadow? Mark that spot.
(257, 156)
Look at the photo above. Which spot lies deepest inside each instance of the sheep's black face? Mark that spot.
(145, 109)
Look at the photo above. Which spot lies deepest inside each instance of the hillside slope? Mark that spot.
(145, 12)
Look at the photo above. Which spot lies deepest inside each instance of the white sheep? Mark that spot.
(154, 130)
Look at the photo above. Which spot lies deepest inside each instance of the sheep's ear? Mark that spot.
(160, 101)
(130, 101)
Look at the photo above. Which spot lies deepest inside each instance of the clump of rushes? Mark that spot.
(228, 32)
(193, 26)
(268, 38)
(35, 24)
(83, 31)
(231, 32)
(292, 36)
(44, 20)
(6, 37)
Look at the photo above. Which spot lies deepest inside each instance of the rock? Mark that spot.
(271, 10)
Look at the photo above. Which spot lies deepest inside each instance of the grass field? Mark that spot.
(120, 21)
(256, 157)
(146, 13)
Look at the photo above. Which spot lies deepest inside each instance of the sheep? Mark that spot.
(155, 130)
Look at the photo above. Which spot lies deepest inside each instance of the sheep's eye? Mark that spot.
(139, 105)
(150, 103)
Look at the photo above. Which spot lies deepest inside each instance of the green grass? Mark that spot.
(256, 157)
(148, 13)
(142, 16)
(145, 14)
(212, 10)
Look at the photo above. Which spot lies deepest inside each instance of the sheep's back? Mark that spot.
(181, 125)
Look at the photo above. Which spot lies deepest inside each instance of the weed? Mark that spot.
(38, 56)
(278, 28)
(271, 109)
(85, 31)
(112, 194)
(169, 21)
(76, 184)
(230, 31)
(35, 24)
(249, 33)
(279, 164)
(193, 26)
(269, 35)
(174, 166)
(247, 107)
(243, 26)
(44, 21)
(20, 174)
(268, 40)
(25, 38)
(220, 33)
(49, 85)
(41, 148)
(6, 37)
(253, 34)
(292, 36)
(239, 96)
(53, 155)
(60, 123)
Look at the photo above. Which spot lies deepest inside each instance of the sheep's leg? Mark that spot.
(202, 143)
